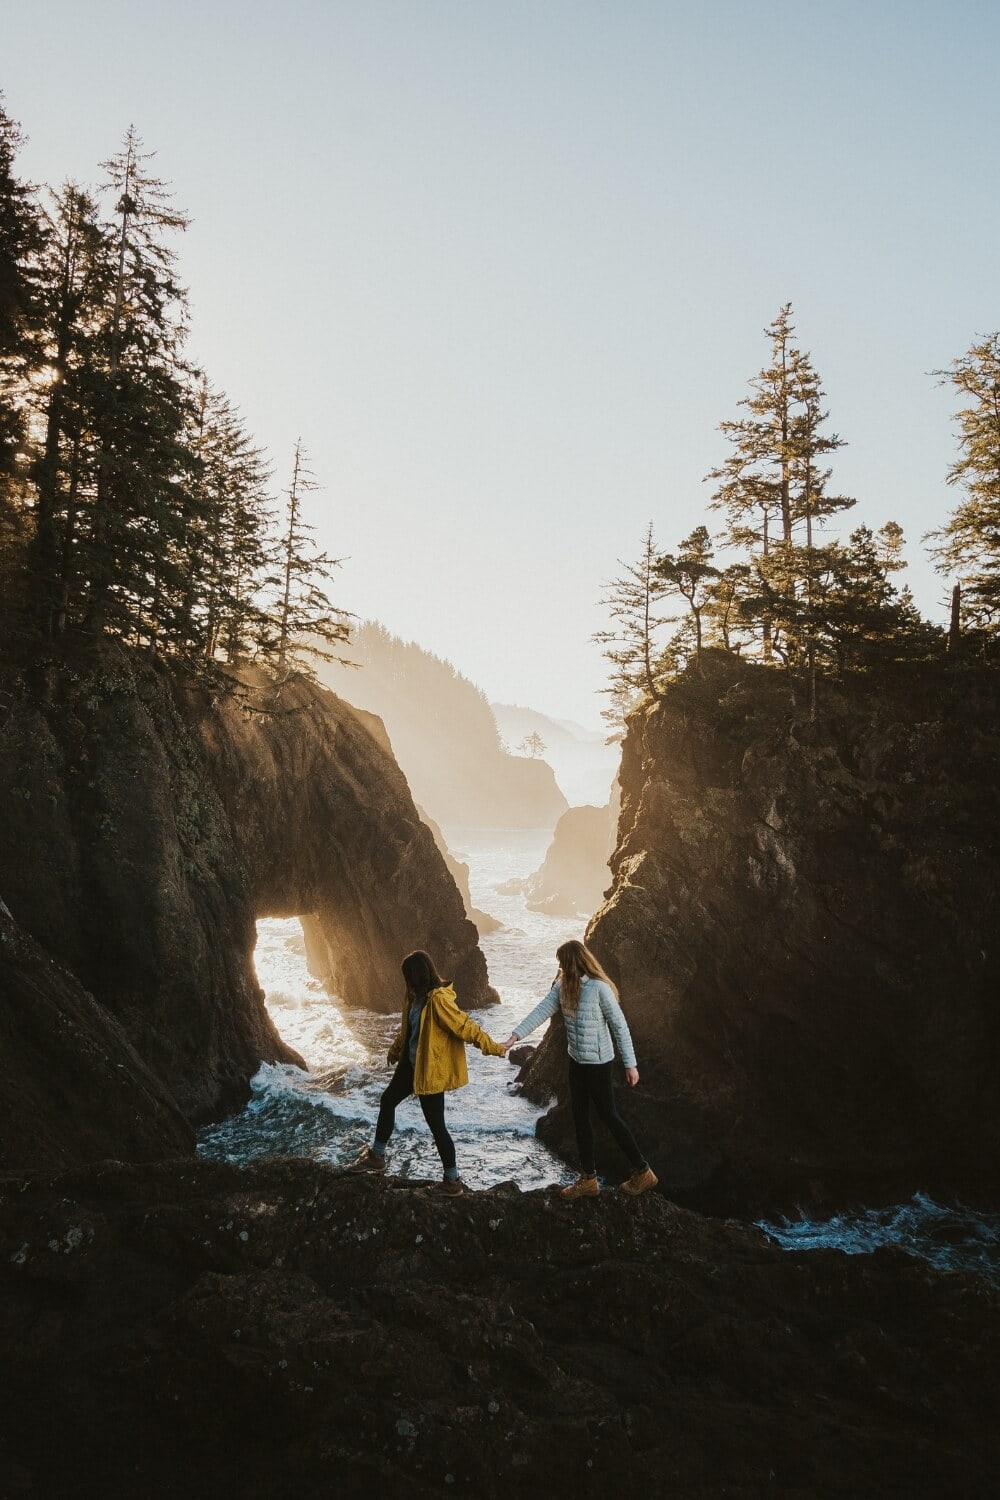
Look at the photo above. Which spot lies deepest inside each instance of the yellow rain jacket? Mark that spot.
(444, 1030)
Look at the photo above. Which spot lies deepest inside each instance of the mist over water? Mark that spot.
(329, 1112)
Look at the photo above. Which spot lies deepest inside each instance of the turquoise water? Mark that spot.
(952, 1238)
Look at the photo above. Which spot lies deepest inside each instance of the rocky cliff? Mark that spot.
(146, 827)
(72, 1087)
(574, 875)
(192, 1329)
(803, 925)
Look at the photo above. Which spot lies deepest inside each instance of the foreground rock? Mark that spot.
(147, 826)
(198, 1330)
(804, 925)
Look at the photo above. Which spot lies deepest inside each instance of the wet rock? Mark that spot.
(284, 1330)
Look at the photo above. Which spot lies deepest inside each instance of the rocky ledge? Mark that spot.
(195, 1329)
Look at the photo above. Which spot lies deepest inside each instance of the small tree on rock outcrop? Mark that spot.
(633, 600)
(969, 545)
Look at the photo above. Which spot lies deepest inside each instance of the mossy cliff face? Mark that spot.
(146, 828)
(803, 925)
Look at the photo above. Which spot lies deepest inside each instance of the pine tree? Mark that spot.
(141, 417)
(969, 545)
(303, 620)
(633, 600)
(689, 573)
(532, 745)
(74, 280)
(727, 615)
(20, 238)
(773, 485)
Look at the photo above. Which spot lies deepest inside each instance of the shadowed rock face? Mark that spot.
(803, 925)
(193, 1329)
(146, 829)
(59, 1053)
(325, 826)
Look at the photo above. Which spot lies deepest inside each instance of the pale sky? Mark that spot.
(505, 264)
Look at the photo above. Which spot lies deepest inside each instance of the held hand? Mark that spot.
(511, 1041)
(632, 1075)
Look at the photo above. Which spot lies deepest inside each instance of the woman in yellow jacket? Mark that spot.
(429, 1053)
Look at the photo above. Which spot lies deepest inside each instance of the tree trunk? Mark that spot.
(955, 624)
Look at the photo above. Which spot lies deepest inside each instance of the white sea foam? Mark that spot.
(329, 1111)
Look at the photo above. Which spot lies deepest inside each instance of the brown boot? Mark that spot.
(640, 1182)
(368, 1161)
(583, 1187)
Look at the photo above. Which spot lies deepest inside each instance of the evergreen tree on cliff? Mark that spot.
(689, 572)
(135, 547)
(303, 621)
(969, 545)
(633, 600)
(773, 489)
(20, 237)
(226, 532)
(75, 276)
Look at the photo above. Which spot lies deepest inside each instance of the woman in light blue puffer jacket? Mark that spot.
(589, 1004)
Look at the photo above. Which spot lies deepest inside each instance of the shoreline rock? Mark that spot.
(197, 1329)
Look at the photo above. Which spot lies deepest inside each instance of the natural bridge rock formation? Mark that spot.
(804, 926)
(147, 827)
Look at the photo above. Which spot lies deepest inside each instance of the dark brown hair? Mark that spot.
(420, 974)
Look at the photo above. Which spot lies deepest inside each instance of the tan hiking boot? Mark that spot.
(640, 1182)
(583, 1187)
(368, 1161)
(450, 1187)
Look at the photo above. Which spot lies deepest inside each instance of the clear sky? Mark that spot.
(505, 264)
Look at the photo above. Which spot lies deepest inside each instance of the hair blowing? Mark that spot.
(575, 962)
(420, 974)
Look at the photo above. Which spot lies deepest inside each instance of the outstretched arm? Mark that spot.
(542, 1012)
(455, 1020)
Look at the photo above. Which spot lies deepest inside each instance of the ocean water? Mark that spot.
(952, 1238)
(329, 1112)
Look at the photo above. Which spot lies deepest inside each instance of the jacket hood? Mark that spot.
(447, 990)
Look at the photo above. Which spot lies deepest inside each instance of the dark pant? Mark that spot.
(400, 1088)
(591, 1084)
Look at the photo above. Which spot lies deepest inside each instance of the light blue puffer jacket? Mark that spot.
(589, 1030)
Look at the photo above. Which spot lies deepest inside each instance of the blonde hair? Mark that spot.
(575, 962)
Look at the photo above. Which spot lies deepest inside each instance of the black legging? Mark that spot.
(591, 1083)
(400, 1088)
